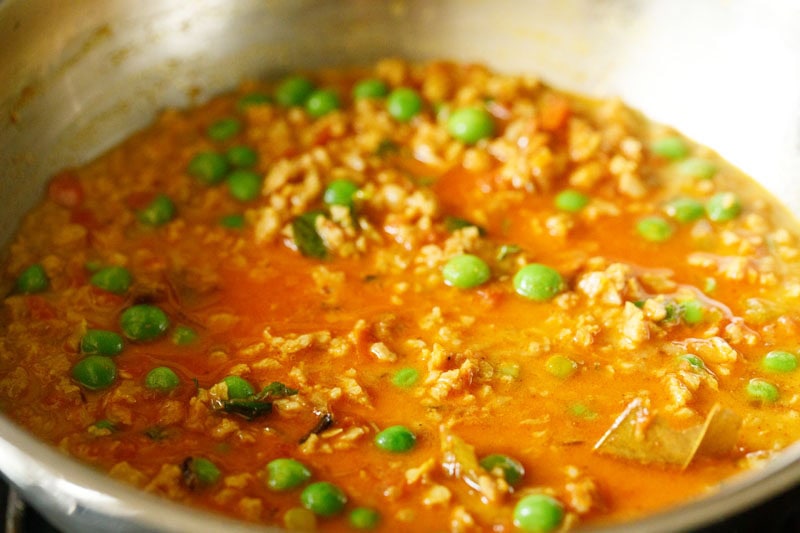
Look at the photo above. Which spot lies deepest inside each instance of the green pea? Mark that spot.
(206, 472)
(162, 378)
(582, 411)
(299, 519)
(723, 206)
(95, 372)
(466, 271)
(294, 91)
(208, 167)
(762, 391)
(510, 370)
(685, 209)
(371, 88)
(560, 366)
(470, 124)
(241, 156)
(512, 470)
(694, 361)
(143, 322)
(696, 167)
(233, 221)
(654, 229)
(692, 312)
(673, 148)
(93, 266)
(184, 335)
(244, 185)
(32, 280)
(321, 102)
(238, 387)
(340, 192)
(101, 342)
(253, 99)
(364, 518)
(158, 212)
(114, 279)
(323, 498)
(224, 129)
(571, 201)
(404, 104)
(395, 439)
(538, 282)
(286, 474)
(779, 361)
(405, 377)
(538, 513)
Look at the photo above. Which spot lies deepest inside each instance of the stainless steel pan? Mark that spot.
(78, 76)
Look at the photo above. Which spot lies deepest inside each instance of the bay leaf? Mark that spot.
(641, 435)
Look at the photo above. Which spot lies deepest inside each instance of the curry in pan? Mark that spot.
(425, 296)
